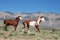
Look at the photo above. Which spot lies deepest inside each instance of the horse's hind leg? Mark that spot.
(6, 27)
(24, 25)
(23, 28)
(28, 28)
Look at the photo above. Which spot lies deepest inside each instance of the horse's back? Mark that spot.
(26, 21)
(9, 21)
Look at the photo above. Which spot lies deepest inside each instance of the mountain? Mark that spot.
(9, 12)
(52, 19)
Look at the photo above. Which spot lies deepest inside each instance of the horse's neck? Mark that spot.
(17, 19)
(38, 21)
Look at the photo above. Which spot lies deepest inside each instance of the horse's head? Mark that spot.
(42, 18)
(18, 18)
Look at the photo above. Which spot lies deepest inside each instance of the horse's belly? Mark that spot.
(32, 23)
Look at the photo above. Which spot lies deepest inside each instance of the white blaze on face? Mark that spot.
(43, 19)
(19, 17)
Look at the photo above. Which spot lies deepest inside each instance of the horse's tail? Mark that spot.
(4, 21)
(23, 23)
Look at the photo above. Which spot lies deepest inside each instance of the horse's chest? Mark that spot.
(32, 23)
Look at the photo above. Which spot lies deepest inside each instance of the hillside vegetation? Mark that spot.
(33, 35)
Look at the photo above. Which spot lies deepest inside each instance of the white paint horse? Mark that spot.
(34, 23)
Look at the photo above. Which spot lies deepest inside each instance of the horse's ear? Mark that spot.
(19, 16)
(41, 16)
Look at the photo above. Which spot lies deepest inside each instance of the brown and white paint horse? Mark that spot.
(34, 23)
(14, 23)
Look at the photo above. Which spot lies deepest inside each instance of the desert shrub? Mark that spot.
(53, 30)
(12, 34)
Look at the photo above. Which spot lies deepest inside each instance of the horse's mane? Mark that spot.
(17, 18)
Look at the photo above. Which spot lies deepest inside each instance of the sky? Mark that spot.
(30, 6)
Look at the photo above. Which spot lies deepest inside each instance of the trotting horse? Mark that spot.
(34, 23)
(14, 23)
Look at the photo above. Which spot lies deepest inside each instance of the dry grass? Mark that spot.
(33, 35)
(43, 35)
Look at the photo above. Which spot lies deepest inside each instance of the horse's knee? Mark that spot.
(37, 27)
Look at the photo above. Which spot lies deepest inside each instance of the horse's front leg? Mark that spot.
(15, 27)
(28, 28)
(37, 27)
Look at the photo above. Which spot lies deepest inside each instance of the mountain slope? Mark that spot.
(52, 19)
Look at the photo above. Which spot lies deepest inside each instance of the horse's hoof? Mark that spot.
(25, 32)
(38, 31)
(6, 30)
(13, 31)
